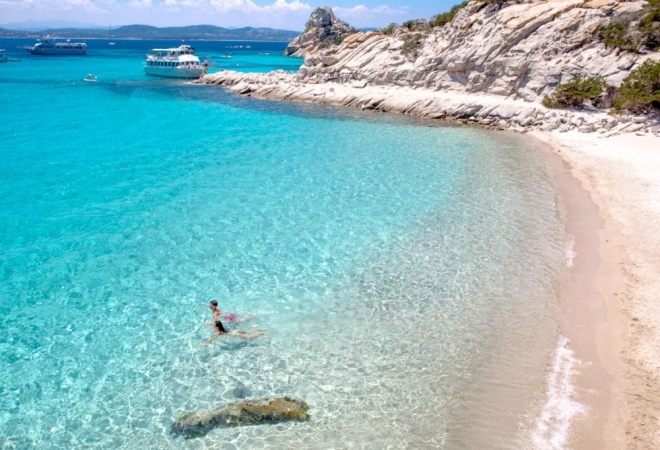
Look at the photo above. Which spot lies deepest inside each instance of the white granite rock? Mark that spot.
(522, 50)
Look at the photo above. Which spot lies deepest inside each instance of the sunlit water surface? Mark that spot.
(405, 272)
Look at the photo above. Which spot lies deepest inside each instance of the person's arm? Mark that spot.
(217, 335)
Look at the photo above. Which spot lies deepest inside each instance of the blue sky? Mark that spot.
(283, 14)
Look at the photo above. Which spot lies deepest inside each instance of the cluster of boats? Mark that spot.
(175, 62)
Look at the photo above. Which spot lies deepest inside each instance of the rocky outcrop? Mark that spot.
(522, 50)
(321, 31)
(489, 111)
(249, 412)
(491, 65)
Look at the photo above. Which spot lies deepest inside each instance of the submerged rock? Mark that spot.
(241, 391)
(248, 412)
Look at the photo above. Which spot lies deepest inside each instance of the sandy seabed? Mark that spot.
(609, 195)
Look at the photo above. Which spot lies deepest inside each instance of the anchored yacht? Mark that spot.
(49, 46)
(179, 62)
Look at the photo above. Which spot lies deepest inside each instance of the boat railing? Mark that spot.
(209, 62)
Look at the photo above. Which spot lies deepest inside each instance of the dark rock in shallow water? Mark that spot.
(241, 391)
(248, 412)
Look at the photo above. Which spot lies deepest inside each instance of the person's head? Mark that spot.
(219, 326)
(213, 303)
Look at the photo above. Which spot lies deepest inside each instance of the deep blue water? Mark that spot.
(404, 271)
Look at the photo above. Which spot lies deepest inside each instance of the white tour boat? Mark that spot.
(49, 46)
(179, 62)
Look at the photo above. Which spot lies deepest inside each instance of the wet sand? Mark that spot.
(609, 194)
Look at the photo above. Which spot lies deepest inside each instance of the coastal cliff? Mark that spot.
(522, 50)
(492, 63)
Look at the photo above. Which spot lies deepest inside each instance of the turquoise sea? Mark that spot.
(406, 272)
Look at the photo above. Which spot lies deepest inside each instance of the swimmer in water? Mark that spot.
(229, 317)
(243, 334)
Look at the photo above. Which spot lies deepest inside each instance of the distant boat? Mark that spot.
(179, 62)
(111, 44)
(5, 58)
(50, 47)
(90, 78)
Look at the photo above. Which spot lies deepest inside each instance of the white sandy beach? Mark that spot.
(614, 325)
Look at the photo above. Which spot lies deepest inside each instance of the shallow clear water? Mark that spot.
(405, 272)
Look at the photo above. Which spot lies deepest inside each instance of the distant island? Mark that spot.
(199, 32)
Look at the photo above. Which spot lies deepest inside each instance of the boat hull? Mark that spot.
(174, 72)
(57, 51)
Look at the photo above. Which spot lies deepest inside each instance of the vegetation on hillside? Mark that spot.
(411, 44)
(633, 32)
(421, 24)
(617, 34)
(640, 90)
(208, 32)
(388, 29)
(577, 92)
(444, 18)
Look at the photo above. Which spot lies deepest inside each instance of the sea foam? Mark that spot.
(570, 252)
(553, 425)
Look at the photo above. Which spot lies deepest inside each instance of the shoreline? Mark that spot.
(486, 110)
(603, 169)
(608, 307)
(591, 327)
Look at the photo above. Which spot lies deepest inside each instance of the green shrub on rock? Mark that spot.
(649, 26)
(411, 43)
(444, 18)
(577, 92)
(633, 31)
(388, 29)
(409, 24)
(640, 90)
(617, 35)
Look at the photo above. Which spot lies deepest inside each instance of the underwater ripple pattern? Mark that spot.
(406, 273)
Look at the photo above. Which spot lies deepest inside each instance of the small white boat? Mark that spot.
(179, 62)
(90, 78)
(111, 44)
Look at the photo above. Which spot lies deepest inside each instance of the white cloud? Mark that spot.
(140, 4)
(53, 5)
(239, 6)
(363, 12)
(283, 5)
